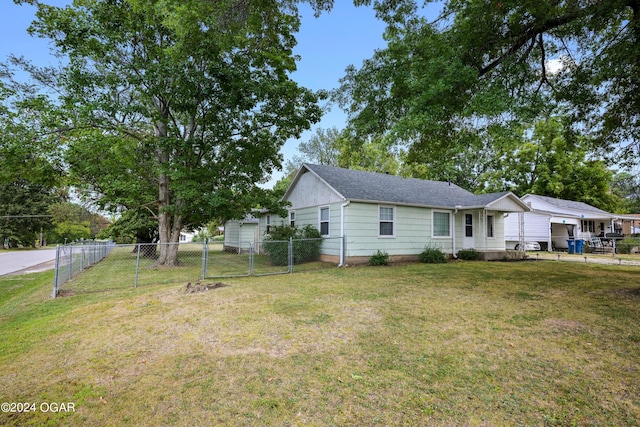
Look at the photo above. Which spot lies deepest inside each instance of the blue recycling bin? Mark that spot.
(571, 246)
(579, 246)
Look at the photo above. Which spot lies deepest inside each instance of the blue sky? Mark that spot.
(327, 45)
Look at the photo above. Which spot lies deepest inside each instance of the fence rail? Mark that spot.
(105, 265)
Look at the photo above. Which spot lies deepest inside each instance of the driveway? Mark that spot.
(26, 261)
(586, 258)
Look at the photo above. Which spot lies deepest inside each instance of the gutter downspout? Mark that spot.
(342, 242)
(453, 229)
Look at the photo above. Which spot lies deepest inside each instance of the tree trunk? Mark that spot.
(168, 222)
(169, 226)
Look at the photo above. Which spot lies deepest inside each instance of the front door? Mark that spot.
(468, 240)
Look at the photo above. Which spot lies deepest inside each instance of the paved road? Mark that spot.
(11, 262)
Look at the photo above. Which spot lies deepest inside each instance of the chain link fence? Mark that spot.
(74, 259)
(107, 266)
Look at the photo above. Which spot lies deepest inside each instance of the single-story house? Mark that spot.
(250, 231)
(401, 216)
(552, 222)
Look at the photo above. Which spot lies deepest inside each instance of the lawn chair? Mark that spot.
(596, 245)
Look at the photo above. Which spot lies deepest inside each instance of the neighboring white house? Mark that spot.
(187, 236)
(401, 216)
(552, 222)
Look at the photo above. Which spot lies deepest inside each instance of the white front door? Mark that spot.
(468, 241)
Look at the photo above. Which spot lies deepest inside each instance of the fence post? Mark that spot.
(250, 272)
(70, 262)
(290, 254)
(204, 258)
(56, 272)
(135, 284)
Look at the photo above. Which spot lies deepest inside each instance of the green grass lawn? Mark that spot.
(463, 343)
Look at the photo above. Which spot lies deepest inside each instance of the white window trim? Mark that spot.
(433, 227)
(294, 217)
(328, 221)
(389, 236)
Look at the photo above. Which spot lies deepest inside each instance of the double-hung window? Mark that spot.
(292, 218)
(386, 221)
(324, 220)
(441, 224)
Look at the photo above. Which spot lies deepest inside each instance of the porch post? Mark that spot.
(484, 228)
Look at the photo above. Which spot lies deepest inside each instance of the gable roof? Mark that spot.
(571, 208)
(568, 204)
(356, 185)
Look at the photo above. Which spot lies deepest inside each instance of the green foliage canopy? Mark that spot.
(482, 63)
(24, 211)
(190, 98)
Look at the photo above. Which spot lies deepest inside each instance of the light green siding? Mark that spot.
(238, 234)
(412, 231)
(311, 216)
(231, 232)
(263, 224)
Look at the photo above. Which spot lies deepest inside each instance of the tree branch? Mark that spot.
(530, 34)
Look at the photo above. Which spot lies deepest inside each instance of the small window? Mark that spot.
(490, 225)
(441, 224)
(386, 219)
(324, 221)
(268, 223)
(292, 218)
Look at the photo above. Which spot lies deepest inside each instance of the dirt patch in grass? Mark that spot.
(191, 288)
(65, 293)
(628, 292)
(566, 325)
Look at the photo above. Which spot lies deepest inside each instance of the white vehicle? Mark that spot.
(529, 246)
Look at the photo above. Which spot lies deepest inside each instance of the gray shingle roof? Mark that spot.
(378, 187)
(569, 204)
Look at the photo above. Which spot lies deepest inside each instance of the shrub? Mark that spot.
(379, 258)
(468, 254)
(432, 256)
(306, 244)
(625, 246)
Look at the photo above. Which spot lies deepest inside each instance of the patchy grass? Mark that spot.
(533, 343)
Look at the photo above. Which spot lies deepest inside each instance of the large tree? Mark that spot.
(24, 212)
(201, 89)
(482, 63)
(549, 159)
(30, 168)
(321, 148)
(627, 186)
